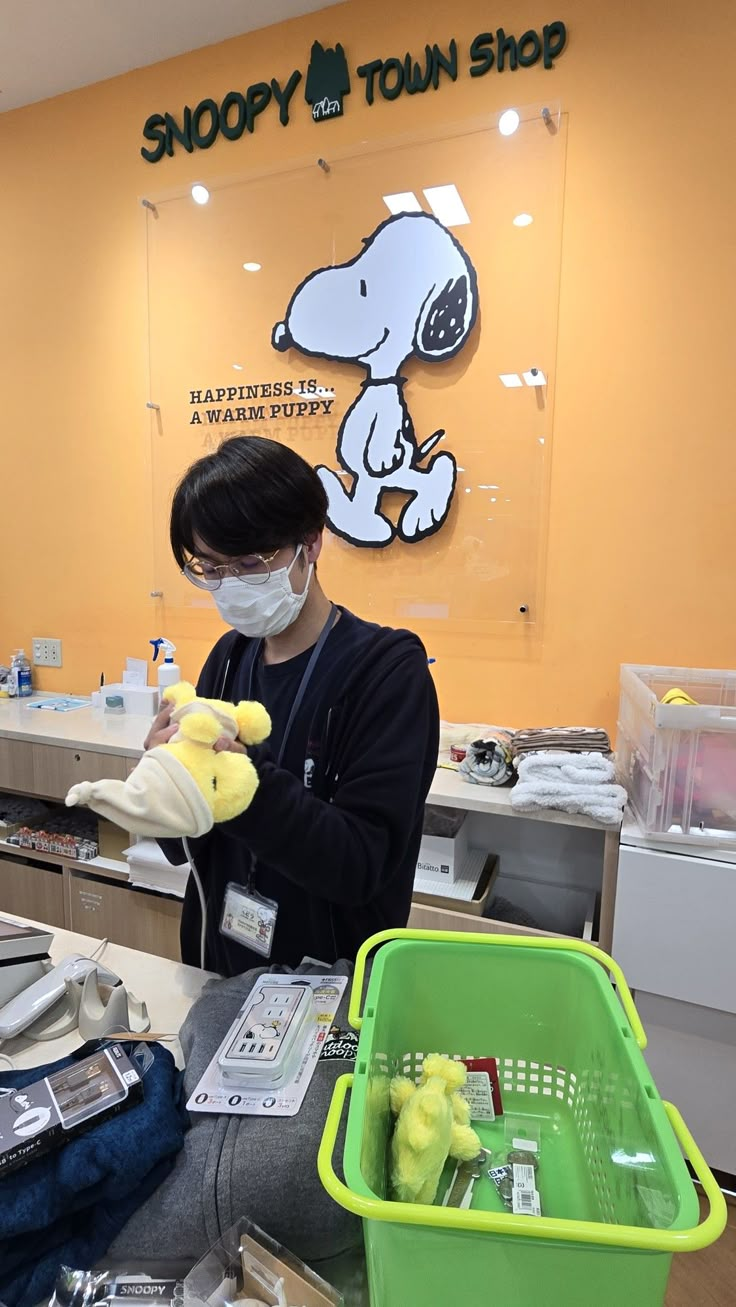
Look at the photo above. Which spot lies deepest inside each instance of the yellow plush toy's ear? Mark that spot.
(254, 723)
(179, 694)
(453, 1073)
(401, 1091)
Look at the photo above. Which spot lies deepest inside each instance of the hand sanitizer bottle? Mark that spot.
(169, 672)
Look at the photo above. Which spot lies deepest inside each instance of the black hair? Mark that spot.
(252, 496)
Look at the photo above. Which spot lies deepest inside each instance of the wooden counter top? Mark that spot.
(83, 728)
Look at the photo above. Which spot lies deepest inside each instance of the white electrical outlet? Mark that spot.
(46, 652)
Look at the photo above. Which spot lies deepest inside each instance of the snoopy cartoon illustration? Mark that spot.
(410, 292)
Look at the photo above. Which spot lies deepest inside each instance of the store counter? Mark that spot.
(560, 869)
(168, 988)
(82, 728)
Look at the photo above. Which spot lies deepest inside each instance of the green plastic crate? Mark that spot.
(616, 1194)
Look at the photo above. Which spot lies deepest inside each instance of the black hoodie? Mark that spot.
(335, 830)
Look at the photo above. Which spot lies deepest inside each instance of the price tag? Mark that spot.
(525, 1196)
(524, 1176)
(478, 1095)
(489, 1065)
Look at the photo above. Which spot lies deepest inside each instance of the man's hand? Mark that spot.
(161, 729)
(224, 745)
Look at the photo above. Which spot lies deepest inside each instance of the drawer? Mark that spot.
(673, 926)
(124, 915)
(56, 768)
(35, 892)
(16, 765)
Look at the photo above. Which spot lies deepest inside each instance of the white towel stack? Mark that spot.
(149, 868)
(580, 783)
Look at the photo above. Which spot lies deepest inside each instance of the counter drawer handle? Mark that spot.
(77, 757)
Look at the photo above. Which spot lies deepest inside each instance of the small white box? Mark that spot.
(442, 857)
(141, 700)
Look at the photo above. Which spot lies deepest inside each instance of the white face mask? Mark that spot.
(261, 610)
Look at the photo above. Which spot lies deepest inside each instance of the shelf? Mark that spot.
(633, 835)
(450, 790)
(105, 868)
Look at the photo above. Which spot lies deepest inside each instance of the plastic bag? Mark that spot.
(160, 1284)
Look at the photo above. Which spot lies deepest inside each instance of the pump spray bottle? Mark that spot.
(169, 672)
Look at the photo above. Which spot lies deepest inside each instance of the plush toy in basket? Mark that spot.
(433, 1124)
(184, 787)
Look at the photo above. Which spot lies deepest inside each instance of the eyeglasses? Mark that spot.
(253, 570)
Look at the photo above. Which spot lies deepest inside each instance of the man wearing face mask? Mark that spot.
(326, 853)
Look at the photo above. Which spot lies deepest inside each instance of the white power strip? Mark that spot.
(269, 1034)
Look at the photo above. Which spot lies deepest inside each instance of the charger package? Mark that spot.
(49, 1112)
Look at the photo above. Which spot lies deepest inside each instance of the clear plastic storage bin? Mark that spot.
(678, 760)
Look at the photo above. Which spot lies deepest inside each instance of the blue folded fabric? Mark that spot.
(67, 1207)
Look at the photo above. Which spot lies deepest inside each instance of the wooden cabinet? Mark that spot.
(104, 910)
(424, 917)
(16, 766)
(28, 891)
(97, 903)
(56, 768)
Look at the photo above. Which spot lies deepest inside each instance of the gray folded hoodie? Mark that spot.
(263, 1168)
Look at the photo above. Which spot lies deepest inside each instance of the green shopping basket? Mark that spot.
(617, 1198)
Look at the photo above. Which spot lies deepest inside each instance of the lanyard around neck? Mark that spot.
(306, 678)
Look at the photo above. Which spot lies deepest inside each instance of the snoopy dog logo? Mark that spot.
(328, 81)
(411, 292)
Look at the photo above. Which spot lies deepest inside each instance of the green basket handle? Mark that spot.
(532, 1227)
(715, 1222)
(512, 941)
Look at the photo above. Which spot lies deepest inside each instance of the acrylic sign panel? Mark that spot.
(217, 369)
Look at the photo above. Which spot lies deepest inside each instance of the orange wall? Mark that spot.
(641, 537)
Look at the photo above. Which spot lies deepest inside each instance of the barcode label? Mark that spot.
(525, 1202)
(524, 1177)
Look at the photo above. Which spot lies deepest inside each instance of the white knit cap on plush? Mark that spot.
(225, 717)
(159, 799)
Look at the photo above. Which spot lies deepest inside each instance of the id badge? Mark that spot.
(249, 919)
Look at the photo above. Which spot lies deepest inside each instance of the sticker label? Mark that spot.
(525, 1145)
(525, 1202)
(498, 1173)
(339, 1046)
(478, 1095)
(524, 1177)
(158, 1291)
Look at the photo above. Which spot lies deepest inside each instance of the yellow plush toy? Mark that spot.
(227, 780)
(184, 787)
(433, 1124)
